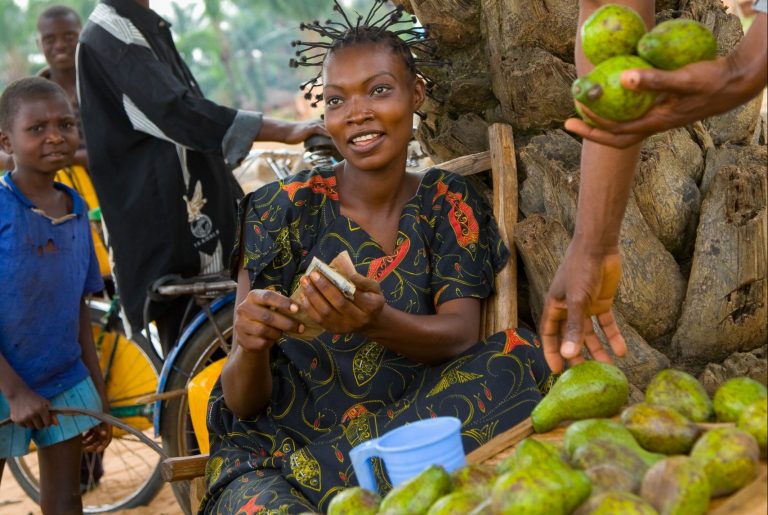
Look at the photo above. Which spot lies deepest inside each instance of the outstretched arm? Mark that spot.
(692, 93)
(586, 281)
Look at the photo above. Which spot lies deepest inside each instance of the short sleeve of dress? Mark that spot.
(467, 250)
(262, 246)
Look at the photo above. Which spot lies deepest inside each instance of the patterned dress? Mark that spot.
(338, 390)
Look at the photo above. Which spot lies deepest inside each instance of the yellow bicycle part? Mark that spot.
(198, 391)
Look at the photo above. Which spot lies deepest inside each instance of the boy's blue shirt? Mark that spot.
(46, 267)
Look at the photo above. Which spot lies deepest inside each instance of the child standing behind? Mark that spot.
(47, 267)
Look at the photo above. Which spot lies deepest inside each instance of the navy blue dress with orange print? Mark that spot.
(338, 390)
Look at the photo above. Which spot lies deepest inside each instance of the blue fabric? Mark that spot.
(14, 439)
(760, 6)
(46, 267)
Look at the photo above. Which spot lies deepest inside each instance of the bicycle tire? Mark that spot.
(178, 436)
(144, 474)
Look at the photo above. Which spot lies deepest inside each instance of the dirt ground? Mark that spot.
(13, 501)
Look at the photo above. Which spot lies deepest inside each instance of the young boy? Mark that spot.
(47, 266)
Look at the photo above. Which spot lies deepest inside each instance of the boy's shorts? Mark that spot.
(14, 439)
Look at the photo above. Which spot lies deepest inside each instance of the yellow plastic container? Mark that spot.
(198, 391)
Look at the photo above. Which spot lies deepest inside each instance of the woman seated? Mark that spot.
(287, 410)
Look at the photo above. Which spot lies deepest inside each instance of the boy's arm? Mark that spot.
(28, 409)
(586, 281)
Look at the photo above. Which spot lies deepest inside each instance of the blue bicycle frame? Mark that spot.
(170, 362)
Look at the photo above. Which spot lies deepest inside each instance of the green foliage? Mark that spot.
(237, 49)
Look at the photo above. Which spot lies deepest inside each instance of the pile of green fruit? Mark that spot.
(614, 39)
(657, 457)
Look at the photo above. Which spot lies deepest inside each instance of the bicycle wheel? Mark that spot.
(178, 436)
(127, 475)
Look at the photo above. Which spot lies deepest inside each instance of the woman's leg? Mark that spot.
(60, 477)
(258, 491)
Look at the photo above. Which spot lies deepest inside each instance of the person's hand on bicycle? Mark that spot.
(334, 312)
(98, 437)
(30, 410)
(260, 319)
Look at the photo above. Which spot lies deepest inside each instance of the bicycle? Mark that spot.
(131, 474)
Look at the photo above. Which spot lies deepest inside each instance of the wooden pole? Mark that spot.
(504, 175)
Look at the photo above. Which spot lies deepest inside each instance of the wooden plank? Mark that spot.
(184, 467)
(499, 443)
(505, 198)
(468, 165)
(196, 493)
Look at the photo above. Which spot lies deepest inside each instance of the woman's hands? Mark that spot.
(260, 319)
(327, 306)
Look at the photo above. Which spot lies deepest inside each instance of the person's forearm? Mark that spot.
(748, 63)
(273, 130)
(429, 339)
(246, 381)
(88, 350)
(606, 173)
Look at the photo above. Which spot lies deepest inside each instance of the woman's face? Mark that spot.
(370, 97)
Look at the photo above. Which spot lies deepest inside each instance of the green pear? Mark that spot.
(475, 477)
(660, 429)
(675, 43)
(585, 431)
(615, 503)
(601, 90)
(681, 392)
(729, 458)
(590, 389)
(527, 491)
(354, 501)
(736, 394)
(544, 458)
(754, 420)
(676, 486)
(611, 477)
(456, 502)
(417, 494)
(611, 30)
(599, 452)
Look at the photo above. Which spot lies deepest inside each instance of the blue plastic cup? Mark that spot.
(409, 449)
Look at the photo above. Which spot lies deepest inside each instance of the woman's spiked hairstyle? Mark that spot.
(413, 44)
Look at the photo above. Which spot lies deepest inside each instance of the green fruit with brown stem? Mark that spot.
(659, 428)
(682, 392)
(676, 486)
(611, 30)
(354, 501)
(754, 420)
(601, 90)
(729, 457)
(736, 394)
(588, 390)
(675, 43)
(417, 494)
(587, 431)
(615, 503)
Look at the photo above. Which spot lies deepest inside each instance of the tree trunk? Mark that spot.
(726, 306)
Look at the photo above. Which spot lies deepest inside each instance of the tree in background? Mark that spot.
(237, 49)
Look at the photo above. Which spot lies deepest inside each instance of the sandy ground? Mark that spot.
(13, 501)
